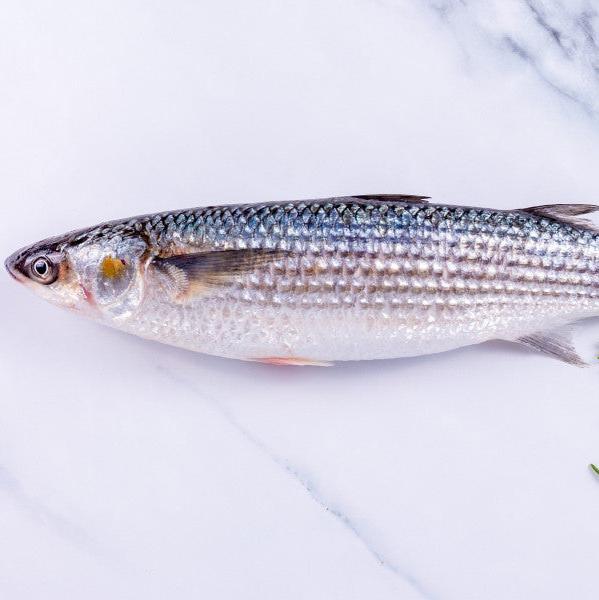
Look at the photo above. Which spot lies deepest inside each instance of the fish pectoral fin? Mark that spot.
(566, 213)
(556, 343)
(394, 198)
(295, 361)
(198, 272)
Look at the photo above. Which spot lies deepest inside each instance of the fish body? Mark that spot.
(318, 281)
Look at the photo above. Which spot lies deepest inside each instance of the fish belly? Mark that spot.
(352, 326)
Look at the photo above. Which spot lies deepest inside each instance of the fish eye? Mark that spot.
(43, 270)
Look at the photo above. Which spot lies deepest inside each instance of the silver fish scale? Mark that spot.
(388, 254)
(344, 278)
(345, 220)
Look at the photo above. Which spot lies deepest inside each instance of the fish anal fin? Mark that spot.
(194, 273)
(555, 343)
(394, 198)
(566, 213)
(295, 361)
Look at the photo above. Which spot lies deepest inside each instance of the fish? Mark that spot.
(313, 282)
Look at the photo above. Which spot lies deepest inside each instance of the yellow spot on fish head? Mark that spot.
(112, 267)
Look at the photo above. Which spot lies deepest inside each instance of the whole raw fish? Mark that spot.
(316, 281)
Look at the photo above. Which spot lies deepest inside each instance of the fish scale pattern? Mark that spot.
(354, 278)
(348, 219)
(349, 252)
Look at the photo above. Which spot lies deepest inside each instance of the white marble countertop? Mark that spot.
(132, 470)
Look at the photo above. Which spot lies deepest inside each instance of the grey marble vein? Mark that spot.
(306, 483)
(66, 529)
(558, 40)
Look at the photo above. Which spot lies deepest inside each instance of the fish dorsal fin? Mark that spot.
(566, 213)
(556, 343)
(197, 272)
(394, 198)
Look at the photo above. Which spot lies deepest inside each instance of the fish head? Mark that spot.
(98, 272)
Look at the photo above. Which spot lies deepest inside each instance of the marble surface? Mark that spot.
(133, 470)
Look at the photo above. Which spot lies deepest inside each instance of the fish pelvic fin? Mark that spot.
(568, 214)
(555, 343)
(291, 361)
(198, 272)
